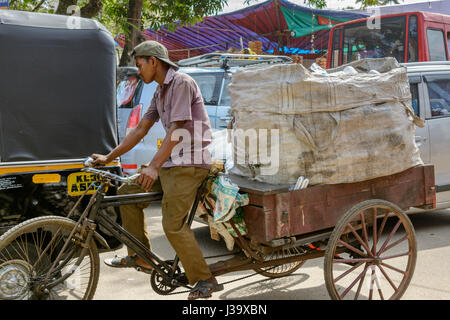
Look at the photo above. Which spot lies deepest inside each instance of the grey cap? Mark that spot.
(155, 49)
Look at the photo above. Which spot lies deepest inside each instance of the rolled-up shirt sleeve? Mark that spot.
(152, 112)
(182, 100)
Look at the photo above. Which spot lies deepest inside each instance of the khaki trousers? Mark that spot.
(179, 185)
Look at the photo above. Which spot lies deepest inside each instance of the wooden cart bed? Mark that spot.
(276, 212)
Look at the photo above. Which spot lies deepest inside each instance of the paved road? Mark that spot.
(431, 279)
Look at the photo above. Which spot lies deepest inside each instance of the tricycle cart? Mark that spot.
(361, 229)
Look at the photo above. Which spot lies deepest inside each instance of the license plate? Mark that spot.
(159, 143)
(79, 182)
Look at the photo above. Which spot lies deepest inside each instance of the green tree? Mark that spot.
(371, 3)
(129, 17)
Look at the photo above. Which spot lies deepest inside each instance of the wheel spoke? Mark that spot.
(41, 241)
(388, 279)
(352, 260)
(377, 282)
(50, 246)
(390, 237)
(361, 282)
(351, 285)
(394, 244)
(348, 271)
(383, 223)
(379, 291)
(345, 244)
(364, 228)
(15, 249)
(372, 279)
(393, 268)
(360, 241)
(23, 246)
(396, 256)
(375, 239)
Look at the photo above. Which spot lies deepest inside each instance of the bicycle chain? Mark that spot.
(223, 283)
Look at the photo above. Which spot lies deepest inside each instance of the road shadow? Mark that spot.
(432, 229)
(276, 289)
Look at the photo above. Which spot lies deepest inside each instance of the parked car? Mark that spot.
(134, 97)
(430, 89)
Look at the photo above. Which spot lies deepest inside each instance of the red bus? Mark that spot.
(409, 37)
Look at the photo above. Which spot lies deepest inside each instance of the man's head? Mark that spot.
(151, 57)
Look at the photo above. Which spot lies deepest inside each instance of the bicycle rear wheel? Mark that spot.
(29, 250)
(283, 269)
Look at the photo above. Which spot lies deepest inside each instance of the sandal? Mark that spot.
(204, 289)
(126, 262)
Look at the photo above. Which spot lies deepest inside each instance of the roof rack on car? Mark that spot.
(425, 63)
(227, 60)
(124, 72)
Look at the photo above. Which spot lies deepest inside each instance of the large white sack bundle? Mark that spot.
(335, 128)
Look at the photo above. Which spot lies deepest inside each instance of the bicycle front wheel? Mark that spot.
(35, 263)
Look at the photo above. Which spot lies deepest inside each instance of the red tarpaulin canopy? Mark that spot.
(281, 26)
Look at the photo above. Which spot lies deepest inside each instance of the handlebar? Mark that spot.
(88, 163)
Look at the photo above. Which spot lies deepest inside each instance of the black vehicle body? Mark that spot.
(57, 106)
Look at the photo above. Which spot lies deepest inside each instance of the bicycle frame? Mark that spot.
(98, 217)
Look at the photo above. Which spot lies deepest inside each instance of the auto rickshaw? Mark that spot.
(57, 92)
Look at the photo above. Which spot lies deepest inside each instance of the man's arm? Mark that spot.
(131, 139)
(150, 174)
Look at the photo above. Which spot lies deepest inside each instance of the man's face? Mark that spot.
(146, 69)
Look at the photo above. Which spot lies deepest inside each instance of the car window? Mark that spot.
(414, 87)
(209, 84)
(362, 42)
(138, 93)
(413, 42)
(439, 95)
(336, 48)
(145, 95)
(226, 99)
(436, 45)
(448, 42)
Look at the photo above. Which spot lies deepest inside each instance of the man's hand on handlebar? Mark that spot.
(99, 159)
(145, 178)
(148, 176)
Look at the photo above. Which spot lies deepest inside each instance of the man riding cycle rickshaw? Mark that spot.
(178, 103)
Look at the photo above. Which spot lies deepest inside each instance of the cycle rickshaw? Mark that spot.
(360, 229)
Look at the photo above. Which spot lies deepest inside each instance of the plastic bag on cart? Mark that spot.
(226, 231)
(225, 192)
(222, 204)
(228, 198)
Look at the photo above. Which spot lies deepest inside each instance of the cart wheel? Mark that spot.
(283, 269)
(367, 260)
